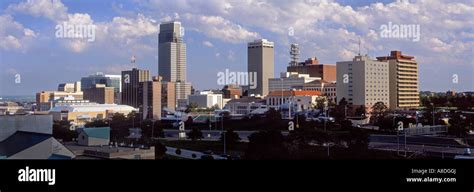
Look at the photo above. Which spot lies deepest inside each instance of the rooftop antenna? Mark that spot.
(359, 46)
(295, 53)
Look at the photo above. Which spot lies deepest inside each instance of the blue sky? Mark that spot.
(216, 33)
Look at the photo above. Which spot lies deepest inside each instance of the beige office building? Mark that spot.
(403, 76)
(363, 82)
(100, 94)
(261, 61)
(45, 100)
(151, 104)
(70, 87)
(168, 95)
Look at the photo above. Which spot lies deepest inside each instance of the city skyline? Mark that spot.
(217, 35)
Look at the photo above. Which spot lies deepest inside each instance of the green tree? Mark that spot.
(231, 138)
(195, 134)
(119, 126)
(358, 140)
(62, 130)
(339, 113)
(379, 111)
(272, 118)
(266, 144)
(158, 130)
(189, 122)
(320, 103)
(346, 125)
(360, 111)
(191, 107)
(160, 150)
(459, 127)
(147, 126)
(97, 123)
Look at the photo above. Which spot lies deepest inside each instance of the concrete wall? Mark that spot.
(60, 149)
(28, 123)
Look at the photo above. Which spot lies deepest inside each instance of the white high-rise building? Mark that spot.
(363, 82)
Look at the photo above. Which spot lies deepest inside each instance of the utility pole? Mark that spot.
(225, 134)
(433, 113)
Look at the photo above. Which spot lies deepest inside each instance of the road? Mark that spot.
(434, 146)
(416, 140)
(187, 154)
(213, 134)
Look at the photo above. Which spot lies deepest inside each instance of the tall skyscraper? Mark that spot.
(131, 84)
(403, 76)
(172, 52)
(363, 82)
(172, 58)
(261, 61)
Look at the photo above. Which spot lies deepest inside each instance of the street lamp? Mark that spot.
(326, 109)
(398, 135)
(210, 125)
(281, 103)
(224, 134)
(153, 129)
(345, 111)
(432, 104)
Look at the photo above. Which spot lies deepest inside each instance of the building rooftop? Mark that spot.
(318, 82)
(295, 93)
(110, 152)
(98, 132)
(92, 107)
(263, 42)
(171, 22)
(20, 141)
(396, 55)
(247, 100)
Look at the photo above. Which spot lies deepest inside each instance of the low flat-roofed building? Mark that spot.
(206, 99)
(80, 114)
(111, 152)
(302, 99)
(288, 80)
(46, 100)
(96, 136)
(10, 108)
(327, 89)
(244, 105)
